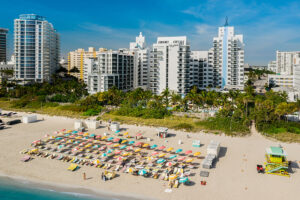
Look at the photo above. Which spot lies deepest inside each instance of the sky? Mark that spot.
(267, 25)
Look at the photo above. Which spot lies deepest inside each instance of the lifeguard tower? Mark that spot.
(276, 162)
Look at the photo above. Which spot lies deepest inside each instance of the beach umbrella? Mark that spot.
(118, 152)
(138, 144)
(189, 160)
(96, 146)
(159, 161)
(129, 148)
(139, 134)
(131, 142)
(98, 136)
(110, 139)
(86, 137)
(145, 145)
(188, 152)
(161, 147)
(169, 164)
(172, 156)
(178, 151)
(86, 134)
(116, 140)
(183, 179)
(123, 147)
(142, 172)
(61, 146)
(181, 158)
(67, 134)
(150, 158)
(52, 137)
(116, 145)
(124, 141)
(102, 148)
(104, 155)
(109, 151)
(96, 162)
(69, 131)
(137, 150)
(104, 137)
(130, 170)
(74, 132)
(170, 149)
(109, 143)
(172, 177)
(76, 142)
(78, 137)
(118, 131)
(92, 135)
(62, 130)
(197, 154)
(153, 146)
(126, 133)
(154, 153)
(81, 133)
(59, 138)
(161, 155)
(125, 154)
(120, 158)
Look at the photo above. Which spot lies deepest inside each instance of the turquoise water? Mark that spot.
(19, 190)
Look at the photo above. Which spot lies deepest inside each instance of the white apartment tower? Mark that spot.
(108, 69)
(36, 48)
(141, 62)
(169, 65)
(228, 59)
(285, 62)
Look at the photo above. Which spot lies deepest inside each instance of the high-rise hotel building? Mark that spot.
(3, 44)
(169, 65)
(228, 59)
(36, 48)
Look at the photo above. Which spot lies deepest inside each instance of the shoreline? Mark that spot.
(69, 189)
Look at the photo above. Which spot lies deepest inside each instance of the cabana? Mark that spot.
(162, 132)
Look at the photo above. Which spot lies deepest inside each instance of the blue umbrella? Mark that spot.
(159, 161)
(104, 155)
(172, 156)
(74, 132)
(109, 139)
(96, 146)
(131, 142)
(142, 172)
(76, 142)
(153, 146)
(67, 134)
(61, 146)
(109, 151)
(92, 135)
(59, 138)
(178, 151)
(86, 137)
(118, 131)
(123, 147)
(183, 179)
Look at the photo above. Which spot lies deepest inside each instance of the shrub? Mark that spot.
(91, 112)
(185, 126)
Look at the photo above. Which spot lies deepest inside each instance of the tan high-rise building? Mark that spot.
(76, 58)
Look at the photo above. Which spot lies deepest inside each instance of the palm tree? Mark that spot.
(166, 95)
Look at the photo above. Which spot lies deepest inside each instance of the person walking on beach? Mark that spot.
(84, 176)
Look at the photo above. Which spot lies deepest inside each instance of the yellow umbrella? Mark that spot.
(172, 177)
(137, 150)
(78, 137)
(69, 131)
(145, 145)
(130, 170)
(170, 149)
(125, 154)
(124, 141)
(103, 138)
(125, 134)
(86, 134)
(197, 154)
(161, 155)
(116, 145)
(189, 160)
(96, 162)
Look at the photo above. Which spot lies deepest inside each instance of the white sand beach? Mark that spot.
(233, 178)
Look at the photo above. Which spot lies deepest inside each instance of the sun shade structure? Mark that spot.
(154, 153)
(172, 156)
(188, 152)
(178, 151)
(197, 154)
(153, 146)
(170, 149)
(161, 147)
(159, 161)
(131, 142)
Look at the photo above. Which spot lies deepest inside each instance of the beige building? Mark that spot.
(76, 58)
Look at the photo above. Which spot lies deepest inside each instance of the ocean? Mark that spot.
(11, 189)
